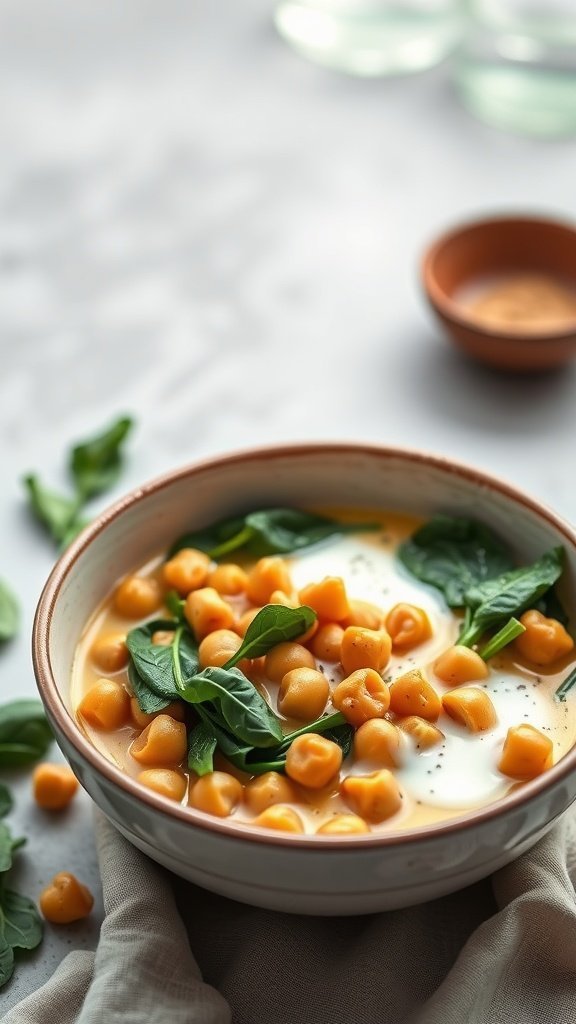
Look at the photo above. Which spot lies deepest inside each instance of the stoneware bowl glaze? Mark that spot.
(302, 873)
(489, 248)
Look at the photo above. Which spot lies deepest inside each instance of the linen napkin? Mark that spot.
(500, 952)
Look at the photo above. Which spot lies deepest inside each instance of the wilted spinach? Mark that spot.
(237, 705)
(454, 554)
(9, 613)
(255, 761)
(473, 568)
(494, 601)
(164, 668)
(273, 625)
(266, 532)
(201, 747)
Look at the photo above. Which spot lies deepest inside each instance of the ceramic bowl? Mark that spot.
(299, 873)
(491, 249)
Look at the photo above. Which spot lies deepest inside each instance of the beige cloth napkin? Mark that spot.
(501, 952)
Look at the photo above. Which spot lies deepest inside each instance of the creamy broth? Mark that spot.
(443, 782)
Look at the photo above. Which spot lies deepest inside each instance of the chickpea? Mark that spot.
(327, 642)
(164, 781)
(364, 648)
(328, 599)
(287, 601)
(218, 647)
(374, 797)
(106, 705)
(303, 694)
(460, 665)
(218, 793)
(54, 786)
(163, 742)
(268, 575)
(137, 597)
(470, 707)
(109, 653)
(424, 733)
(361, 696)
(141, 719)
(228, 579)
(527, 752)
(186, 571)
(206, 612)
(363, 613)
(281, 819)
(545, 640)
(313, 760)
(378, 741)
(285, 657)
(267, 790)
(411, 694)
(65, 899)
(408, 626)
(343, 825)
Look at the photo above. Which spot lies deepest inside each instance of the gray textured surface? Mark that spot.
(201, 228)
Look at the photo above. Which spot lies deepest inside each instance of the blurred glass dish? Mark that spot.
(372, 37)
(517, 66)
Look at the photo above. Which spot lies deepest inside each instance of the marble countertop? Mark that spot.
(202, 229)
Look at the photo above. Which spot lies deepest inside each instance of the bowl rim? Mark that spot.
(243, 831)
(453, 311)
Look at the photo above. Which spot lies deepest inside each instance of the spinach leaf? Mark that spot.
(496, 600)
(148, 701)
(95, 464)
(164, 669)
(9, 613)
(5, 847)
(57, 513)
(201, 747)
(6, 960)
(239, 707)
(566, 685)
(505, 636)
(272, 625)
(19, 920)
(252, 760)
(24, 733)
(454, 554)
(6, 801)
(267, 532)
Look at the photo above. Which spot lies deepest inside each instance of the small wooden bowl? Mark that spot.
(488, 249)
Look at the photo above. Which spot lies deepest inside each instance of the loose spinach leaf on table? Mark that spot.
(21, 922)
(454, 554)
(165, 669)
(238, 705)
(59, 514)
(6, 801)
(95, 464)
(9, 613)
(266, 532)
(273, 625)
(496, 600)
(24, 733)
(94, 467)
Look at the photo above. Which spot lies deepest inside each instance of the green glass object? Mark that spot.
(372, 37)
(516, 68)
